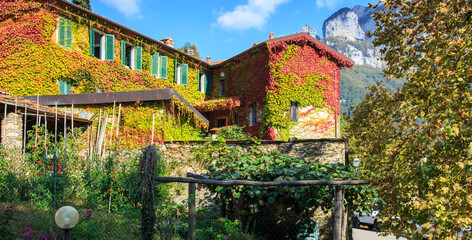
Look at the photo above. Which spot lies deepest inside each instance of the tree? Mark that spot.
(416, 141)
(83, 3)
(188, 48)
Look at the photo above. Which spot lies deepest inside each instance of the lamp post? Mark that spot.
(355, 162)
(66, 218)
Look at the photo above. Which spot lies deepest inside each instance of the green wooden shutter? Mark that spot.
(68, 34)
(64, 87)
(198, 80)
(110, 47)
(175, 71)
(92, 42)
(138, 58)
(61, 32)
(207, 83)
(155, 64)
(163, 73)
(123, 52)
(184, 74)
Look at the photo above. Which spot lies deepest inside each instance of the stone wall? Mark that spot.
(12, 131)
(180, 157)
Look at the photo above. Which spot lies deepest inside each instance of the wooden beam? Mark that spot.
(260, 184)
(338, 213)
(192, 212)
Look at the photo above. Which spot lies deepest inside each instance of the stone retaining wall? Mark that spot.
(180, 157)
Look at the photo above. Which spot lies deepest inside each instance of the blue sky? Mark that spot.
(220, 28)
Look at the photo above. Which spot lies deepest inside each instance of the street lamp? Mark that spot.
(355, 162)
(66, 218)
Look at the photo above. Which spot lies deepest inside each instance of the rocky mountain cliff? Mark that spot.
(345, 31)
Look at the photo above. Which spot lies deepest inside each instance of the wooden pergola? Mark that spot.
(192, 179)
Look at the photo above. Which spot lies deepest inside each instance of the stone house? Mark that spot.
(282, 87)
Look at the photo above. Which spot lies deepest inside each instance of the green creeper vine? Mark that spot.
(306, 90)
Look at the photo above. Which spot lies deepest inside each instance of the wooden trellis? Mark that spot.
(191, 179)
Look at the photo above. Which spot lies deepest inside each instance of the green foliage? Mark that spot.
(233, 132)
(354, 83)
(5, 224)
(83, 3)
(415, 143)
(222, 229)
(187, 46)
(257, 165)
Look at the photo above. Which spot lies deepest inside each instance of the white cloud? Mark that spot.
(331, 4)
(252, 15)
(128, 7)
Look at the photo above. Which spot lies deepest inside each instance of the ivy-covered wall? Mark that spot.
(31, 62)
(276, 73)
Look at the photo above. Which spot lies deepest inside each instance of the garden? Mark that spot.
(107, 192)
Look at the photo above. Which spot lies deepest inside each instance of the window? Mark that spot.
(102, 46)
(131, 56)
(159, 66)
(253, 114)
(222, 87)
(64, 33)
(221, 122)
(204, 82)
(64, 87)
(163, 69)
(181, 73)
(294, 111)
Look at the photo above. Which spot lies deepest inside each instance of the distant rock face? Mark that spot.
(344, 24)
(310, 31)
(346, 30)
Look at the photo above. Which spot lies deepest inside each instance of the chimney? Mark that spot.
(169, 41)
(208, 59)
(271, 35)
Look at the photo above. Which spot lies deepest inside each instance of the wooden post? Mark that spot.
(338, 212)
(192, 213)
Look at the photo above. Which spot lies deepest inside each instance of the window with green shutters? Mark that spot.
(138, 58)
(102, 46)
(163, 67)
(131, 56)
(207, 83)
(64, 87)
(184, 74)
(155, 64)
(109, 47)
(64, 33)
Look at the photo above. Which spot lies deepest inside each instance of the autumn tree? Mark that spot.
(416, 141)
(83, 3)
(190, 49)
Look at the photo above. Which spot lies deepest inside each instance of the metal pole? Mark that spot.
(66, 234)
(192, 213)
(338, 212)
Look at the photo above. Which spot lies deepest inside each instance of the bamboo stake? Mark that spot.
(55, 133)
(45, 134)
(152, 134)
(98, 128)
(4, 125)
(72, 115)
(118, 124)
(65, 139)
(112, 126)
(24, 133)
(37, 116)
